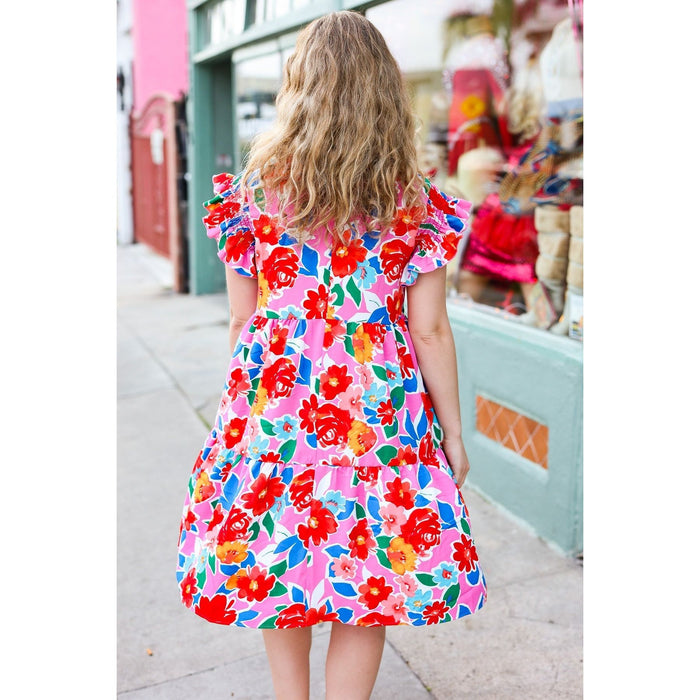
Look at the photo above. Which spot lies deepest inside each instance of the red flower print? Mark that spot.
(262, 494)
(332, 425)
(266, 229)
(425, 242)
(335, 380)
(301, 488)
(235, 527)
(345, 258)
(216, 609)
(434, 612)
(278, 341)
(188, 587)
(376, 332)
(422, 529)
(393, 258)
(271, 457)
(407, 220)
(238, 382)
(405, 361)
(373, 592)
(225, 210)
(437, 201)
(237, 245)
(258, 321)
(296, 615)
(361, 540)
(280, 268)
(375, 619)
(278, 378)
(216, 518)
(252, 584)
(308, 413)
(465, 554)
(316, 302)
(367, 474)
(405, 456)
(386, 412)
(400, 493)
(233, 432)
(319, 524)
(334, 331)
(222, 182)
(449, 244)
(394, 305)
(426, 451)
(188, 520)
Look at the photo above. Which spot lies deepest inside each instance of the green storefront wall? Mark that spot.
(525, 371)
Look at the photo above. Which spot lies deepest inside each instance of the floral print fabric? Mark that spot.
(322, 492)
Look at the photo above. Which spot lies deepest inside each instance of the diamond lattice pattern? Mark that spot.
(525, 436)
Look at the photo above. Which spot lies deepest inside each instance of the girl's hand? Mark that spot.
(456, 458)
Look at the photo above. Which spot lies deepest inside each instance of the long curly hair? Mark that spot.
(343, 141)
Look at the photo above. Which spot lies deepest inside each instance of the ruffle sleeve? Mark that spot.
(447, 222)
(228, 221)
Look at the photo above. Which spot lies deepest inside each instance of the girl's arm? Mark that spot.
(435, 351)
(242, 301)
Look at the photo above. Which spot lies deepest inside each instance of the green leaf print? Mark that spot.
(386, 453)
(465, 526)
(222, 242)
(429, 226)
(268, 524)
(267, 427)
(397, 397)
(383, 541)
(278, 589)
(426, 579)
(353, 291)
(287, 450)
(451, 594)
(359, 511)
(383, 559)
(254, 530)
(279, 568)
(392, 430)
(349, 349)
(201, 578)
(339, 294)
(212, 563)
(327, 277)
(379, 371)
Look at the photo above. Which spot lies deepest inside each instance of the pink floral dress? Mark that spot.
(322, 492)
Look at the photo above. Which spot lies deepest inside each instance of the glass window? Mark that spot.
(223, 21)
(257, 82)
(497, 88)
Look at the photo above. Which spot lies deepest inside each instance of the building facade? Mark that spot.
(497, 89)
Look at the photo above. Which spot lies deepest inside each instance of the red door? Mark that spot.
(154, 177)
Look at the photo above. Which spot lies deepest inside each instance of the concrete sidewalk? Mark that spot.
(172, 357)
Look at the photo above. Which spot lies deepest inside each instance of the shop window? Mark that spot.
(497, 89)
(258, 81)
(223, 21)
(266, 10)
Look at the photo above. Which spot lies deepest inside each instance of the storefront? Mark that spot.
(497, 89)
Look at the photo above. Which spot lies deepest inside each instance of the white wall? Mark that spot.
(124, 58)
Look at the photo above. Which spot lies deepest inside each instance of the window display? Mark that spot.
(501, 117)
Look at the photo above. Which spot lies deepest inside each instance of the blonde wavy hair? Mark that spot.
(344, 134)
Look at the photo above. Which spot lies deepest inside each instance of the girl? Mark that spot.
(328, 488)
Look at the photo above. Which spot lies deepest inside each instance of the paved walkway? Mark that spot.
(526, 643)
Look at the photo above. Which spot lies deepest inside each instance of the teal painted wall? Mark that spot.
(212, 112)
(540, 376)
